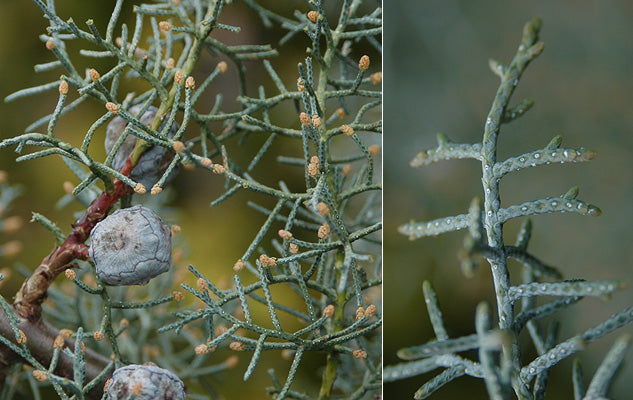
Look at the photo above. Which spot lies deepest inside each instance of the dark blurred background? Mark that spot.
(437, 80)
(212, 239)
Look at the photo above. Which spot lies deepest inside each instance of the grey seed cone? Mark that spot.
(130, 247)
(155, 383)
(153, 162)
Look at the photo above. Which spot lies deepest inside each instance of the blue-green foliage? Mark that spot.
(330, 258)
(499, 363)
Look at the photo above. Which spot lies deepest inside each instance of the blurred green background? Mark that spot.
(437, 80)
(212, 239)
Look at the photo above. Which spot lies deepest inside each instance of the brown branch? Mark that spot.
(40, 337)
(28, 300)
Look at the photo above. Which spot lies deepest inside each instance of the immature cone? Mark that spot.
(164, 26)
(130, 247)
(147, 382)
(363, 64)
(313, 16)
(153, 162)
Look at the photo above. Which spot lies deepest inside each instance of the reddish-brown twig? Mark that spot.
(28, 300)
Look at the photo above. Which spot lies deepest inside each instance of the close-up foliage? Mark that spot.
(518, 322)
(169, 89)
(499, 356)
